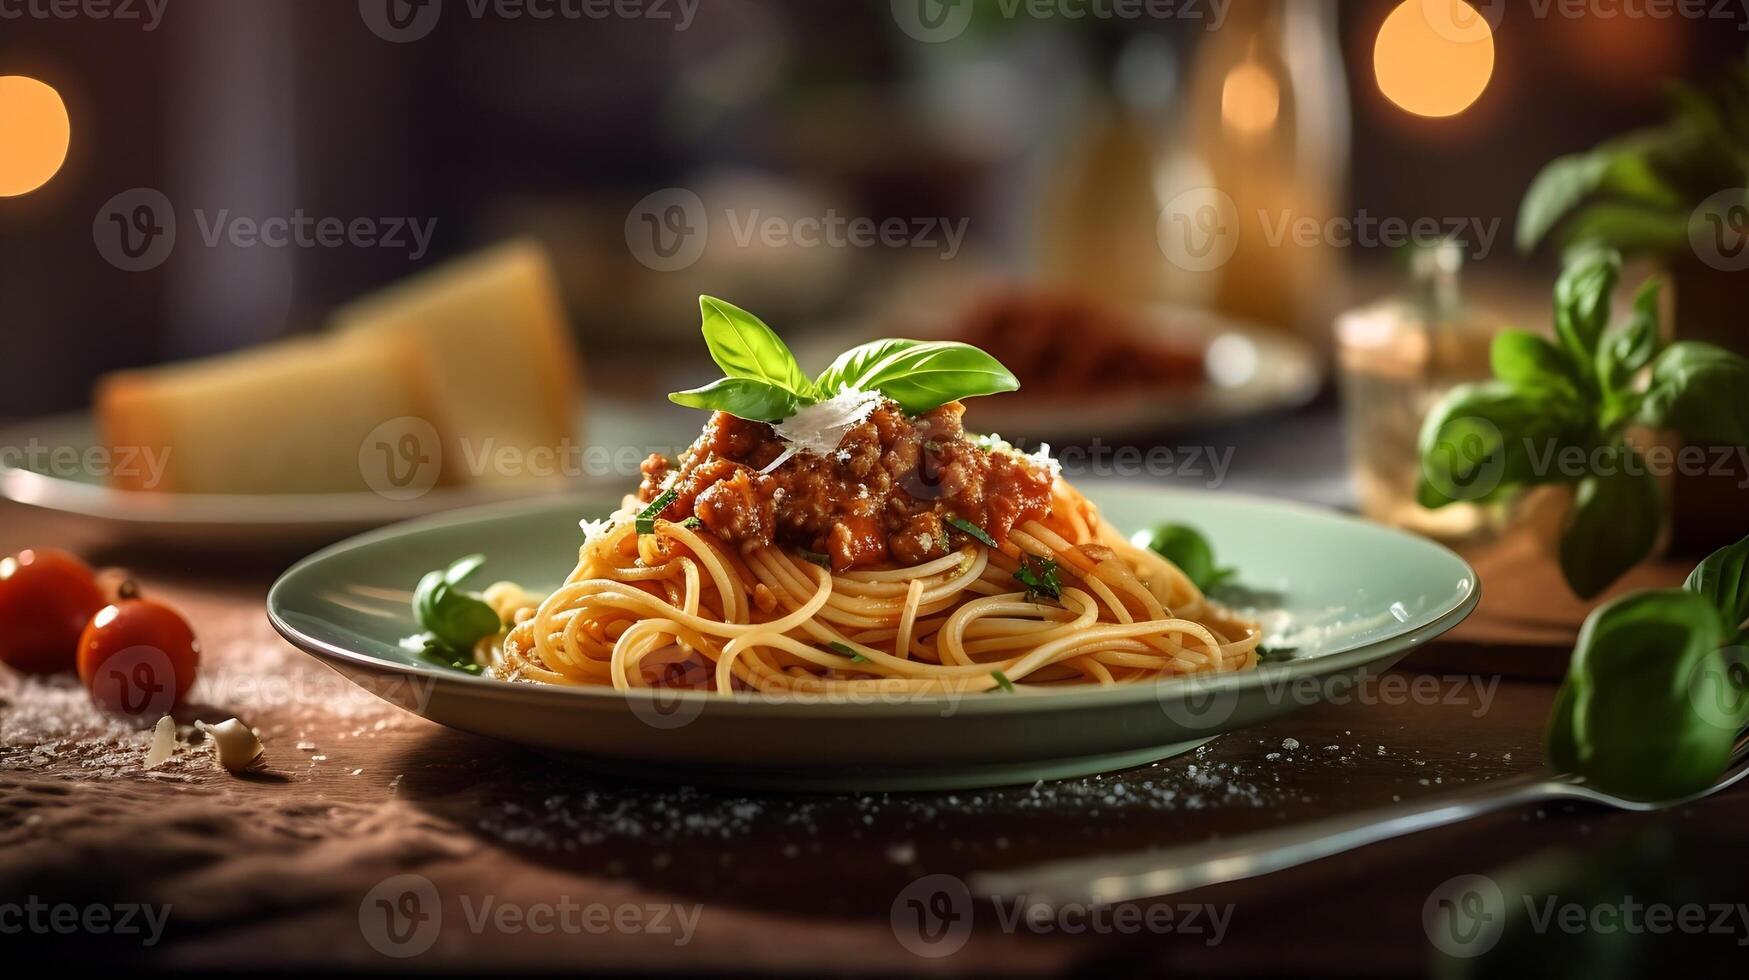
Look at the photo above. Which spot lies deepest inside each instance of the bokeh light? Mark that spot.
(1250, 98)
(1428, 68)
(34, 133)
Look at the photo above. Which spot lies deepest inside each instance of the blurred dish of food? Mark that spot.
(1091, 369)
(442, 390)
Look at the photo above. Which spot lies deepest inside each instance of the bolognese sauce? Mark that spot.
(884, 495)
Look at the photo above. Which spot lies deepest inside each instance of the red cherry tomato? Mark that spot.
(46, 598)
(138, 657)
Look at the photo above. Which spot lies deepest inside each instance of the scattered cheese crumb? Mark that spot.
(163, 743)
(234, 745)
(1290, 744)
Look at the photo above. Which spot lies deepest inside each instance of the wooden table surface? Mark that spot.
(522, 861)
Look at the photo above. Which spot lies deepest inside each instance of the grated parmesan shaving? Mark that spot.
(820, 427)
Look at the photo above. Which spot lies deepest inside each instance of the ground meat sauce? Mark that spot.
(883, 496)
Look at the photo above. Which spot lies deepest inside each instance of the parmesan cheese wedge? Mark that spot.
(497, 344)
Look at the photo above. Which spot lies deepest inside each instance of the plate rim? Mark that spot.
(756, 706)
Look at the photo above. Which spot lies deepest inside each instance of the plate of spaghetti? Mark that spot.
(840, 586)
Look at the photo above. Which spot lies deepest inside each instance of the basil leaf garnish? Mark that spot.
(755, 401)
(456, 619)
(1190, 551)
(919, 375)
(744, 347)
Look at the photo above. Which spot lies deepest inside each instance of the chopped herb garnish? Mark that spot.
(647, 517)
(973, 530)
(822, 560)
(692, 523)
(855, 658)
(1039, 575)
(1002, 681)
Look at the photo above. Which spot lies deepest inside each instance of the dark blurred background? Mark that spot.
(497, 122)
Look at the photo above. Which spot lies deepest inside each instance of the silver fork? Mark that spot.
(1168, 871)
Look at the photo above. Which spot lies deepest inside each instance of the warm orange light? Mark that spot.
(1429, 66)
(34, 132)
(1250, 98)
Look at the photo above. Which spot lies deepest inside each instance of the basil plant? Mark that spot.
(1557, 411)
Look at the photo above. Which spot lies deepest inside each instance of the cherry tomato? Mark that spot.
(46, 598)
(138, 657)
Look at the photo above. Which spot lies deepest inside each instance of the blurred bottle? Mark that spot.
(1396, 359)
(1100, 199)
(1249, 186)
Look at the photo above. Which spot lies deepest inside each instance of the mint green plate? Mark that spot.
(1340, 598)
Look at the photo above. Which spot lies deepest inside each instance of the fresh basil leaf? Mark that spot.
(1612, 526)
(1653, 711)
(1701, 391)
(919, 375)
(848, 370)
(1527, 360)
(744, 398)
(1582, 296)
(1622, 170)
(744, 347)
(1626, 351)
(1190, 551)
(1723, 580)
(456, 619)
(1485, 439)
(975, 531)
